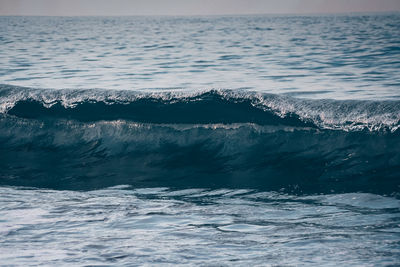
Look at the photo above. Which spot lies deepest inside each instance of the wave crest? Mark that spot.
(212, 106)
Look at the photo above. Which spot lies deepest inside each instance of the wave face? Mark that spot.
(87, 139)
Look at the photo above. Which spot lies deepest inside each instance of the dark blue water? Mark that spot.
(257, 140)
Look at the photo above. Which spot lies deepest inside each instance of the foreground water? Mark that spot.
(244, 140)
(118, 226)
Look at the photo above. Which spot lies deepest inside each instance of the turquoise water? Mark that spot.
(241, 140)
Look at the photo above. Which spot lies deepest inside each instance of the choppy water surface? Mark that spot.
(341, 57)
(242, 140)
(197, 226)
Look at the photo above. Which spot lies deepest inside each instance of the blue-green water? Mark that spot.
(243, 140)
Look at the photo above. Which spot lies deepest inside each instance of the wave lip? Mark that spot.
(207, 108)
(211, 106)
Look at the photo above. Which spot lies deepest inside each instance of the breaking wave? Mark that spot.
(86, 139)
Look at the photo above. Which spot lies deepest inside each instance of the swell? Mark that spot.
(67, 154)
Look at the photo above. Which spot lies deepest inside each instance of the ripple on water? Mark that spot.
(196, 226)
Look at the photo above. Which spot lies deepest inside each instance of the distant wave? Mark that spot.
(72, 139)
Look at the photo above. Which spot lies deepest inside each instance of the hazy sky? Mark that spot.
(190, 7)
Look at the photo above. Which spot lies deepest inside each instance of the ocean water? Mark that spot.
(221, 140)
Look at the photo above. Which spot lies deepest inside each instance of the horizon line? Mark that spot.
(213, 15)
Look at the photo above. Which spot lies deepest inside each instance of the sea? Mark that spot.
(257, 140)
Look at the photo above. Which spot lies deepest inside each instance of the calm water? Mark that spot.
(243, 140)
